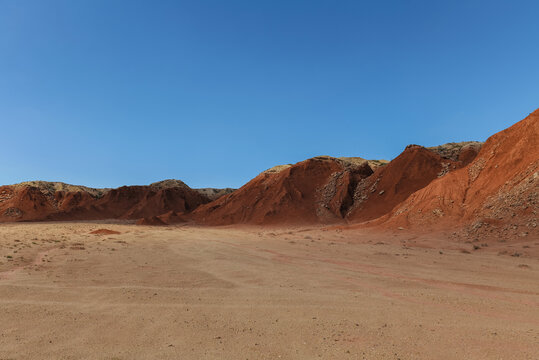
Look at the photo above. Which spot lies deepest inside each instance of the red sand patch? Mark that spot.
(105, 232)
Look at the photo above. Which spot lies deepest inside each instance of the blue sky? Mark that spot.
(110, 93)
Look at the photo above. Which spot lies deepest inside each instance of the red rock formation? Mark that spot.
(24, 204)
(317, 190)
(500, 186)
(453, 185)
(133, 202)
(29, 203)
(412, 170)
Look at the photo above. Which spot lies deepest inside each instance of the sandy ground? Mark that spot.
(221, 293)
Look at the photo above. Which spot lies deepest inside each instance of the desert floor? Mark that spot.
(223, 293)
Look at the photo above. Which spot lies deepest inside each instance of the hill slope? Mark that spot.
(316, 190)
(499, 187)
(412, 170)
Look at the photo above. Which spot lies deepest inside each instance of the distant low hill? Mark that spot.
(43, 200)
(48, 187)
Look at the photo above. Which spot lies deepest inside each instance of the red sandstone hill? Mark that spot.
(498, 192)
(329, 190)
(412, 170)
(134, 202)
(489, 187)
(317, 190)
(24, 202)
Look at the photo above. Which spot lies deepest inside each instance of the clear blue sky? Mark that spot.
(109, 93)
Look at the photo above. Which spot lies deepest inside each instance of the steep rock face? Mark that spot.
(499, 186)
(412, 170)
(316, 190)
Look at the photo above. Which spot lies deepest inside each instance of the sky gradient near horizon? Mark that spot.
(107, 93)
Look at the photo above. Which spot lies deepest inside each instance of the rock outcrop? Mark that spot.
(317, 190)
(498, 191)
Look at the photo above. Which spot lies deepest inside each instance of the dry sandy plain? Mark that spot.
(224, 293)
